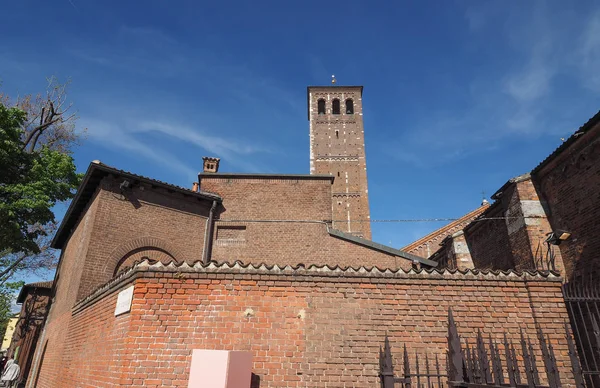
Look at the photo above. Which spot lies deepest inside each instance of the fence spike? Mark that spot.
(577, 372)
(547, 359)
(455, 371)
(437, 371)
(554, 364)
(484, 364)
(469, 362)
(407, 376)
(527, 362)
(418, 371)
(496, 364)
(536, 376)
(387, 365)
(427, 369)
(509, 365)
(515, 364)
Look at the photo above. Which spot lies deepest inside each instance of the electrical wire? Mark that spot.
(353, 221)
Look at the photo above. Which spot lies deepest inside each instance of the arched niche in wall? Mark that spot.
(153, 254)
(151, 247)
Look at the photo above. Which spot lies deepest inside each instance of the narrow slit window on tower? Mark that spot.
(335, 107)
(337, 134)
(321, 106)
(349, 107)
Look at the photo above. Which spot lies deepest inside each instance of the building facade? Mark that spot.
(278, 265)
(337, 148)
(521, 228)
(34, 299)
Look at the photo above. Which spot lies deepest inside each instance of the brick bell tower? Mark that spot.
(337, 147)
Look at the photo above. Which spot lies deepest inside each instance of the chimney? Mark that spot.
(210, 164)
(195, 186)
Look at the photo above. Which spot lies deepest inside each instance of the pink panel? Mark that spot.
(240, 370)
(220, 369)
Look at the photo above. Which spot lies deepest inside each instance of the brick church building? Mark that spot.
(278, 265)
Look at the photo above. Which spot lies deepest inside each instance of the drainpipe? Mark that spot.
(207, 252)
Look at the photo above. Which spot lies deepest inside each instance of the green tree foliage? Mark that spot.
(37, 135)
(31, 183)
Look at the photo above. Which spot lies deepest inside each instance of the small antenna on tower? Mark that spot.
(333, 79)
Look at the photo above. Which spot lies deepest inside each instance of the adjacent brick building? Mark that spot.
(428, 244)
(568, 181)
(560, 196)
(34, 299)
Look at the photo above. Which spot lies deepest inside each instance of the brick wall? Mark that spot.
(319, 329)
(511, 234)
(95, 350)
(570, 187)
(488, 240)
(148, 218)
(67, 285)
(114, 231)
(427, 245)
(300, 207)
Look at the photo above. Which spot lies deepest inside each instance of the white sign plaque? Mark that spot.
(124, 301)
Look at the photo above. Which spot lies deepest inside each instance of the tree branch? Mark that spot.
(12, 267)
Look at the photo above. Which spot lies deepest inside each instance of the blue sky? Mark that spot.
(459, 96)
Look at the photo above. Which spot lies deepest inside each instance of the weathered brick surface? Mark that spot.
(303, 331)
(570, 188)
(293, 229)
(513, 230)
(113, 232)
(337, 148)
(67, 286)
(146, 218)
(96, 348)
(427, 245)
(488, 240)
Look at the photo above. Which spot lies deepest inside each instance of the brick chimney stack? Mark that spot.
(210, 164)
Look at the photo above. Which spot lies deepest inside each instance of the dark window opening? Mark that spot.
(335, 107)
(321, 106)
(338, 173)
(349, 107)
(337, 134)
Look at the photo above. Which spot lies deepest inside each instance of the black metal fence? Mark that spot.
(484, 363)
(433, 375)
(582, 298)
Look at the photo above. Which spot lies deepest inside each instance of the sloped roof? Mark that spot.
(581, 131)
(25, 289)
(94, 174)
(444, 230)
(379, 247)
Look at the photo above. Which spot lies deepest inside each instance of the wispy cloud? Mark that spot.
(218, 145)
(155, 54)
(116, 136)
(130, 136)
(590, 53)
(520, 98)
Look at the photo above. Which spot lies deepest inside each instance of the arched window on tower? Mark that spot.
(335, 107)
(321, 106)
(349, 107)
